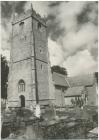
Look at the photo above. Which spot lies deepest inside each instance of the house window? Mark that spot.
(21, 86)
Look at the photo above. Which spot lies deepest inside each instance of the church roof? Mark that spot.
(59, 79)
(74, 91)
(81, 80)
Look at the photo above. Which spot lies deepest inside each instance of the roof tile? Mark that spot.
(59, 79)
(74, 91)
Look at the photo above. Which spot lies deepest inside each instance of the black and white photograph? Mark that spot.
(49, 70)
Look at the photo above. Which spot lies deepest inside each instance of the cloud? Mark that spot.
(79, 36)
(84, 38)
(8, 7)
(6, 36)
(81, 63)
(67, 14)
(40, 7)
(56, 53)
(72, 31)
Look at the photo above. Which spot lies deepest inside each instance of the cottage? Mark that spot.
(79, 90)
(86, 84)
(75, 96)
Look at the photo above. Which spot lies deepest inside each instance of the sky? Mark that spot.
(72, 32)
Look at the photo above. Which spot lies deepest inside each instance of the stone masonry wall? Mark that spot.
(27, 34)
(21, 63)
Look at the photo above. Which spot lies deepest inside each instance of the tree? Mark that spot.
(4, 77)
(59, 69)
(96, 76)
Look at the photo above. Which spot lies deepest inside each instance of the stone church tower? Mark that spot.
(30, 75)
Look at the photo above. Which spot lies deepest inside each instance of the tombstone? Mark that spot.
(7, 108)
(37, 111)
(50, 113)
(32, 133)
(12, 135)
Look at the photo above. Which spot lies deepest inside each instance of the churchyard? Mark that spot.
(67, 123)
(42, 101)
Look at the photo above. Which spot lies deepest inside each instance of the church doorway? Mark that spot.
(22, 101)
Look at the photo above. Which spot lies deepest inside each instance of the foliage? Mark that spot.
(77, 102)
(4, 77)
(59, 69)
(96, 76)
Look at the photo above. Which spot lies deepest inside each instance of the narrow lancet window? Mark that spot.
(21, 86)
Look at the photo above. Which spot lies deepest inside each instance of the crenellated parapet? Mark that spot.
(29, 13)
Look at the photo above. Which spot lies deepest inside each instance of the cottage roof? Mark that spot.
(81, 80)
(59, 79)
(74, 91)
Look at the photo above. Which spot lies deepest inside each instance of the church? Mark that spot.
(30, 79)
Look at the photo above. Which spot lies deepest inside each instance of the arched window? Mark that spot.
(21, 86)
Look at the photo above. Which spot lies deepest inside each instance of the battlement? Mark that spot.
(27, 14)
